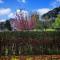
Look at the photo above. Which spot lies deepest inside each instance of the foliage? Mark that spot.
(30, 42)
(2, 26)
(7, 25)
(56, 24)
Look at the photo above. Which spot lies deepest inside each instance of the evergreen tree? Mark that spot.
(7, 25)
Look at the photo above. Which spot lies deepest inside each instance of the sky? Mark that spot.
(9, 7)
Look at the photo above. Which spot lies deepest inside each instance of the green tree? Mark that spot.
(38, 23)
(2, 26)
(56, 24)
(46, 22)
(7, 25)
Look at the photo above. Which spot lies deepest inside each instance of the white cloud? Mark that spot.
(21, 11)
(2, 20)
(5, 11)
(18, 11)
(43, 11)
(58, 0)
(23, 1)
(11, 15)
(26, 13)
(55, 3)
(1, 1)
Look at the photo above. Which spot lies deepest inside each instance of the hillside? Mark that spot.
(52, 13)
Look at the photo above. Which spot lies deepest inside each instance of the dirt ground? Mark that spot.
(31, 57)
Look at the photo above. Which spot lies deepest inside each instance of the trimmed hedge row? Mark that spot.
(32, 34)
(31, 42)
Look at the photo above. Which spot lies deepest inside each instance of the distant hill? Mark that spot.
(52, 13)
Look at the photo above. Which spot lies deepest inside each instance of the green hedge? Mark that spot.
(43, 40)
(32, 34)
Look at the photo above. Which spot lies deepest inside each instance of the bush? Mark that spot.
(31, 40)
